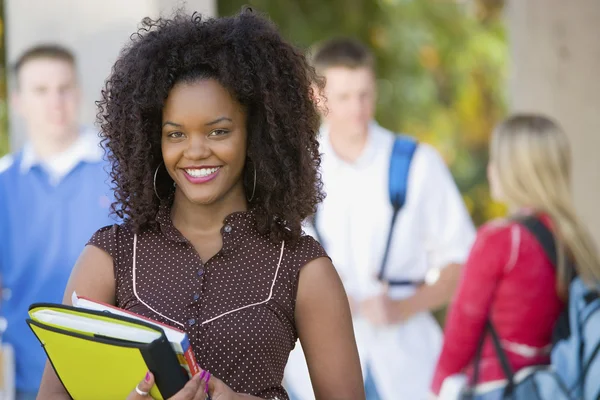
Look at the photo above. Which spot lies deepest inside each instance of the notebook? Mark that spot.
(178, 338)
(101, 355)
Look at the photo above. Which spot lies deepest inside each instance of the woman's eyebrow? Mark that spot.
(172, 124)
(220, 119)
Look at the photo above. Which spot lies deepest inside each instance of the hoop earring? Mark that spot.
(156, 173)
(253, 187)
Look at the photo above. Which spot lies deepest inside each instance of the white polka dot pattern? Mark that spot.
(247, 349)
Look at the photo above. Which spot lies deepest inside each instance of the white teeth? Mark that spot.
(202, 172)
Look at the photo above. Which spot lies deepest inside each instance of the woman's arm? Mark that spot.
(325, 329)
(92, 277)
(493, 248)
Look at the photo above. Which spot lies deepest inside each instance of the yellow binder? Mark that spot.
(100, 356)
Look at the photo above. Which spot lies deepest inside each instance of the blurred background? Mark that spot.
(448, 69)
(441, 68)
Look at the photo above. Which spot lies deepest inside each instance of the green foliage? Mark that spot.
(441, 67)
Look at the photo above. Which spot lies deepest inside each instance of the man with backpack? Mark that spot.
(393, 223)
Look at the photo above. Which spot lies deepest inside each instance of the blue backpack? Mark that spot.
(574, 355)
(574, 373)
(400, 160)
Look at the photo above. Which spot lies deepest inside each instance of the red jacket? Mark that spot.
(509, 278)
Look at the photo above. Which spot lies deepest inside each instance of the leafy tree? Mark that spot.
(441, 69)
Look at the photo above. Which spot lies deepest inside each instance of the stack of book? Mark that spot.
(100, 351)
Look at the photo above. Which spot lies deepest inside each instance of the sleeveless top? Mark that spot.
(237, 307)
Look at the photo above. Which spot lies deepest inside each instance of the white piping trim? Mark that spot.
(515, 236)
(135, 290)
(219, 316)
(525, 350)
(520, 376)
(260, 302)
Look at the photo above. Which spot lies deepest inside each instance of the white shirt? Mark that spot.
(433, 230)
(85, 149)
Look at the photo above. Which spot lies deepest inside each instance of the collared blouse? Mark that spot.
(237, 307)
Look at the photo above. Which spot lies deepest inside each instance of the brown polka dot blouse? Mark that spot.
(237, 307)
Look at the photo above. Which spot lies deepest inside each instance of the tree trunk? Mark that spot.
(555, 55)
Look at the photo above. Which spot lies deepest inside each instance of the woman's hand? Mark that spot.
(218, 390)
(197, 388)
(194, 389)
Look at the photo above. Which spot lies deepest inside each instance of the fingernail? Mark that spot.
(206, 385)
(147, 378)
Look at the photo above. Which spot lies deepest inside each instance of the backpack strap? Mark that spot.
(502, 358)
(402, 154)
(543, 236)
(400, 161)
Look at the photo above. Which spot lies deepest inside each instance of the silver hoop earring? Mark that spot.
(156, 173)
(253, 187)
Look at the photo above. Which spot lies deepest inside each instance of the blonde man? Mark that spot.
(398, 338)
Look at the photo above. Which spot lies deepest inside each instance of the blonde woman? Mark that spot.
(508, 279)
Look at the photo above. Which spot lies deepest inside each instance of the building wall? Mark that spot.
(95, 30)
(555, 66)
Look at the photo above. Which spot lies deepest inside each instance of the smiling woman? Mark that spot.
(204, 141)
(212, 133)
(263, 88)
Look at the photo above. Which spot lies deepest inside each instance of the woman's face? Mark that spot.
(204, 141)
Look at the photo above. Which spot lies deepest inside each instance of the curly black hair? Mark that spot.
(271, 78)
